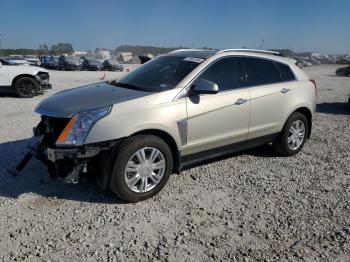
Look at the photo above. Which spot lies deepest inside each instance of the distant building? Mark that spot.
(104, 54)
(80, 53)
(124, 56)
(316, 55)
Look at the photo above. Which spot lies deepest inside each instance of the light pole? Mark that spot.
(0, 44)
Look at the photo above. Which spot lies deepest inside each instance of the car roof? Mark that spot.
(205, 53)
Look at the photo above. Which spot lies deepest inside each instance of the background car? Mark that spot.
(33, 60)
(53, 62)
(343, 62)
(112, 65)
(44, 61)
(343, 71)
(69, 63)
(91, 64)
(18, 59)
(24, 80)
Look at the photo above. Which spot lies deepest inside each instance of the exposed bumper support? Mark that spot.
(54, 154)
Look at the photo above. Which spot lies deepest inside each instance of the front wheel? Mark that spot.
(141, 169)
(293, 135)
(26, 87)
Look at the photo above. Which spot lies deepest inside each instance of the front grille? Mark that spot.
(53, 128)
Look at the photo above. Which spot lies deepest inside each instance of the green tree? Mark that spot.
(43, 50)
(62, 48)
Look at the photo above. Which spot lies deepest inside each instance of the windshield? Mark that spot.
(113, 62)
(4, 62)
(160, 74)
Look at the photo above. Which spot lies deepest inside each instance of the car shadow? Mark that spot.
(12, 95)
(34, 179)
(336, 108)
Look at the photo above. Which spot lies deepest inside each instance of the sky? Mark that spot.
(302, 25)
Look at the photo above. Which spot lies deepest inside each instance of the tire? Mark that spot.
(127, 155)
(292, 148)
(26, 87)
(340, 73)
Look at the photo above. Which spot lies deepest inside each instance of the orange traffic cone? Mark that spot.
(103, 77)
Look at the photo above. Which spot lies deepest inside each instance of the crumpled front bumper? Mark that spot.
(45, 86)
(43, 80)
(70, 163)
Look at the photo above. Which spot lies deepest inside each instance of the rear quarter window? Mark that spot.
(286, 72)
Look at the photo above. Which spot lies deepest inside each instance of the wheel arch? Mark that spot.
(20, 76)
(307, 113)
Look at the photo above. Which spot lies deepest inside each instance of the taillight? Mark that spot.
(314, 82)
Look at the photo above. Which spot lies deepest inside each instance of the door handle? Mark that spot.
(241, 101)
(285, 90)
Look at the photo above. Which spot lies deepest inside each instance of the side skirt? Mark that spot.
(189, 161)
(6, 89)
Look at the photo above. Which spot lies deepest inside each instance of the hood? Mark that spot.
(27, 69)
(64, 104)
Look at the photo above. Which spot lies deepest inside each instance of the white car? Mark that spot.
(175, 111)
(33, 60)
(24, 80)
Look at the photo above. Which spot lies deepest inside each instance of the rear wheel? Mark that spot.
(293, 135)
(26, 87)
(141, 168)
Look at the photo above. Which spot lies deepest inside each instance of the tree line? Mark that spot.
(56, 49)
(67, 48)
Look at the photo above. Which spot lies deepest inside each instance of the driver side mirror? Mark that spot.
(204, 86)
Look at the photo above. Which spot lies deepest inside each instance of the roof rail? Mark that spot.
(189, 49)
(251, 50)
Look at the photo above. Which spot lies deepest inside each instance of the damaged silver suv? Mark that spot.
(172, 112)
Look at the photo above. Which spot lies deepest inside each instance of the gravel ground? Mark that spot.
(246, 207)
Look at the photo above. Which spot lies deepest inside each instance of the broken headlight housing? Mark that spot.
(79, 126)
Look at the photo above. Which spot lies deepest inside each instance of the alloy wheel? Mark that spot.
(296, 135)
(145, 169)
(26, 88)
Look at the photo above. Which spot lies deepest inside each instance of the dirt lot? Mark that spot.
(246, 207)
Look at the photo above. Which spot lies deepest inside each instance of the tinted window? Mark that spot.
(225, 73)
(4, 62)
(261, 72)
(159, 74)
(286, 72)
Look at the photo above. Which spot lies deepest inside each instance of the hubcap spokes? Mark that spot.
(296, 135)
(26, 87)
(145, 169)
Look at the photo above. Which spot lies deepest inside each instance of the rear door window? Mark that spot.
(226, 73)
(261, 72)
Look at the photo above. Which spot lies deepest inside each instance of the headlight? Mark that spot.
(79, 126)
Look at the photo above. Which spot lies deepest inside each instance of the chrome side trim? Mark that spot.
(182, 125)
